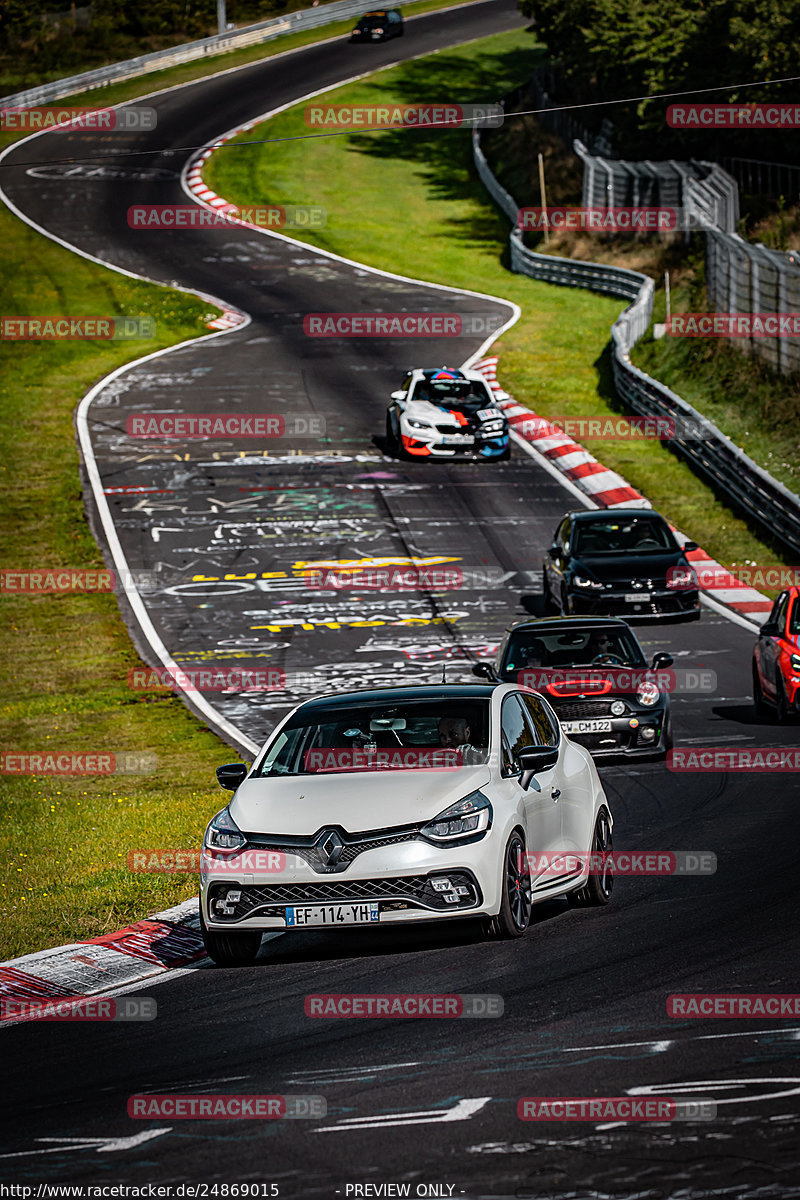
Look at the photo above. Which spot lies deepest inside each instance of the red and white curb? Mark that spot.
(144, 950)
(606, 489)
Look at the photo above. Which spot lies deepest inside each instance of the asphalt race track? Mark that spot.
(585, 991)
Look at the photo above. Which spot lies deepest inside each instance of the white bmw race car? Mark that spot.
(443, 413)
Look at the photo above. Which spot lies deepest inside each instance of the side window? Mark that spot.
(562, 537)
(794, 619)
(406, 384)
(516, 733)
(778, 614)
(546, 734)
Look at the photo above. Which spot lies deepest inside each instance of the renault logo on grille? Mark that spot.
(329, 847)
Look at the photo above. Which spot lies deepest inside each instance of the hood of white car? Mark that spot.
(423, 410)
(357, 800)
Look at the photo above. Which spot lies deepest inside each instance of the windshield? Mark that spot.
(610, 645)
(406, 735)
(372, 21)
(639, 535)
(463, 395)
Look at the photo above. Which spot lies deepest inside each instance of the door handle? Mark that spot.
(555, 793)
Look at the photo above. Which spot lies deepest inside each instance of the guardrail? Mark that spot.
(730, 471)
(238, 39)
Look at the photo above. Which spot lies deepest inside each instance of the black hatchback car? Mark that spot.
(594, 674)
(620, 562)
(378, 26)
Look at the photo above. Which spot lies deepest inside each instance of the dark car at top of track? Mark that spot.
(593, 673)
(776, 658)
(445, 413)
(620, 562)
(378, 26)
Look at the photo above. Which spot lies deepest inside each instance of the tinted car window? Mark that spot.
(393, 725)
(778, 614)
(794, 619)
(531, 648)
(638, 535)
(546, 733)
(516, 731)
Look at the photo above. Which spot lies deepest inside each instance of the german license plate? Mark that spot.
(458, 439)
(636, 597)
(594, 726)
(332, 914)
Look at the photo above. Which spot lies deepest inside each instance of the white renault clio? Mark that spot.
(395, 805)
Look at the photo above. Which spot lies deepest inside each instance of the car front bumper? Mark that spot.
(397, 879)
(661, 605)
(434, 448)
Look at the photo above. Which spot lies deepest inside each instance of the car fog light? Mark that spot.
(441, 885)
(233, 897)
(462, 891)
(451, 898)
(617, 708)
(647, 734)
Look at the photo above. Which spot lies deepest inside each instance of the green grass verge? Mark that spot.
(409, 201)
(64, 841)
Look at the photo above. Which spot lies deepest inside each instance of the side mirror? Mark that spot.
(687, 546)
(534, 759)
(769, 629)
(483, 671)
(231, 775)
(662, 660)
(552, 552)
(398, 395)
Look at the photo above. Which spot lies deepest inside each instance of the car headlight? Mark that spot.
(377, 32)
(647, 692)
(223, 833)
(582, 582)
(463, 819)
(617, 708)
(794, 659)
(420, 424)
(492, 427)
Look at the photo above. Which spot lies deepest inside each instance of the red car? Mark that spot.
(776, 658)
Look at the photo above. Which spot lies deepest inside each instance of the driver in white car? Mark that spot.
(454, 734)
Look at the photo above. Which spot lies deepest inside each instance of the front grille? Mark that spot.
(354, 844)
(452, 429)
(271, 899)
(577, 710)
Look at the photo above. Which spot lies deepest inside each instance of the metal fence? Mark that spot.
(745, 485)
(765, 178)
(741, 277)
(704, 195)
(173, 56)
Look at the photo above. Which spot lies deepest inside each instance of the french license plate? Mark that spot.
(635, 597)
(458, 439)
(594, 726)
(332, 914)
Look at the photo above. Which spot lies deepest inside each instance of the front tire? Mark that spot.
(392, 438)
(234, 949)
(515, 908)
(782, 709)
(758, 694)
(600, 884)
